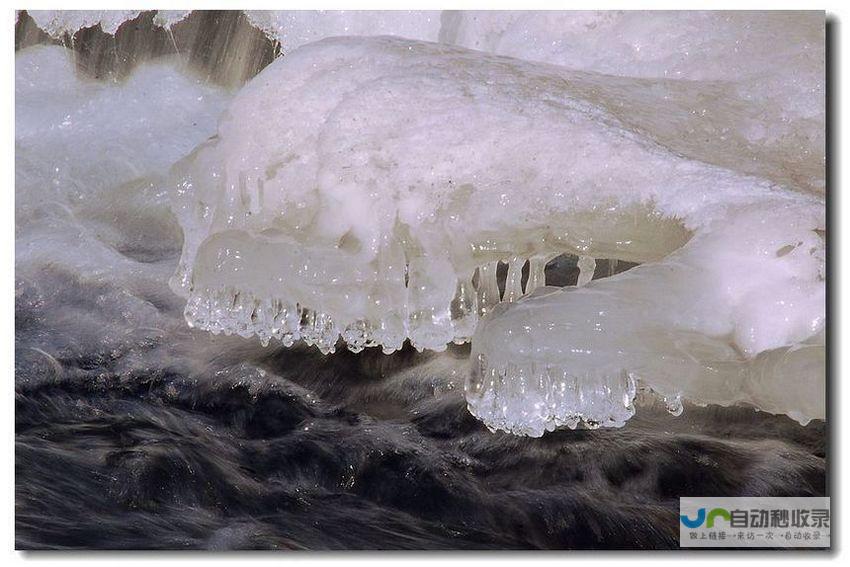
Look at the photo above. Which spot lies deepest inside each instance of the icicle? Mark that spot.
(536, 273)
(464, 311)
(586, 267)
(318, 329)
(530, 399)
(286, 323)
(391, 332)
(389, 300)
(488, 288)
(513, 283)
(429, 302)
(357, 335)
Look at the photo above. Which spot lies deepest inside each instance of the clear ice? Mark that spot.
(364, 191)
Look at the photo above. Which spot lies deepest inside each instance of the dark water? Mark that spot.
(170, 439)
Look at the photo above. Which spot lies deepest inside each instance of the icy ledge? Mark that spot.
(367, 188)
(735, 316)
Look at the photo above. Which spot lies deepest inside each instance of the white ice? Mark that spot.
(367, 188)
(89, 162)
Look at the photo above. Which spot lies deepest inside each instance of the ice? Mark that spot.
(294, 28)
(586, 267)
(766, 68)
(354, 215)
(773, 60)
(369, 189)
(59, 22)
(167, 18)
(686, 44)
(75, 138)
(89, 160)
(377, 225)
(702, 324)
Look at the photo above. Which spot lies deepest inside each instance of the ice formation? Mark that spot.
(57, 23)
(94, 236)
(294, 28)
(367, 189)
(782, 81)
(77, 139)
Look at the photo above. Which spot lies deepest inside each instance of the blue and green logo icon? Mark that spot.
(707, 519)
